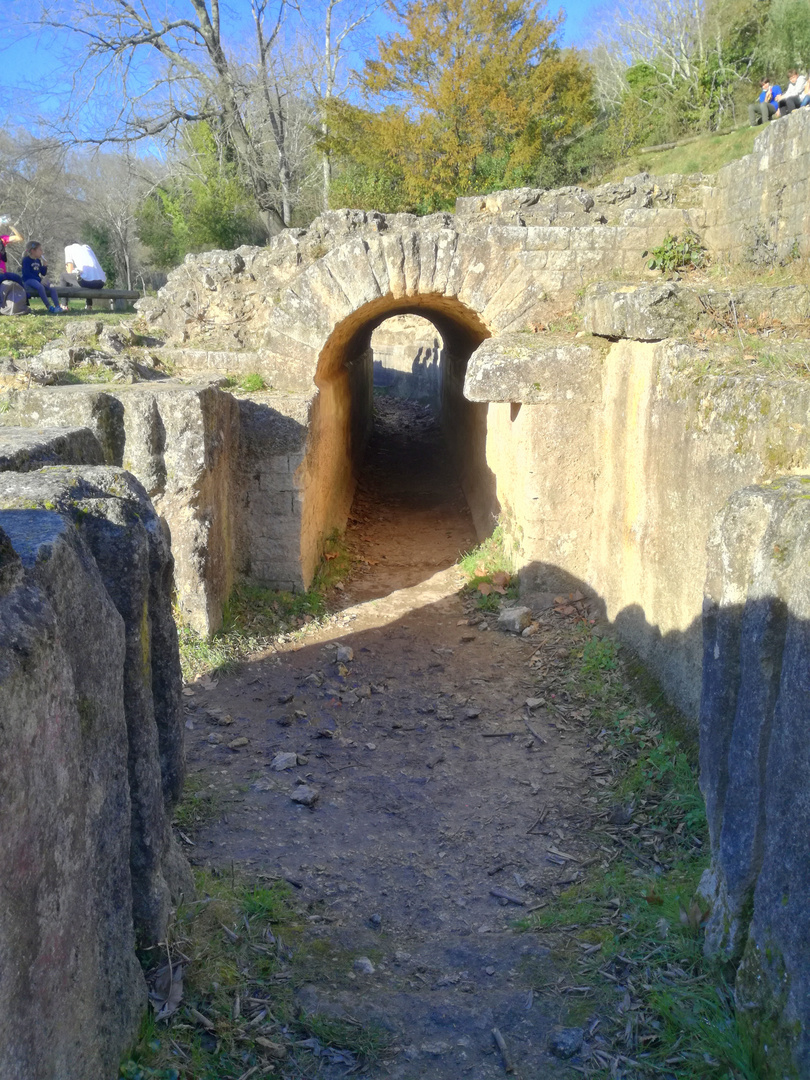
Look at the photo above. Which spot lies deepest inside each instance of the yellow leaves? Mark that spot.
(463, 97)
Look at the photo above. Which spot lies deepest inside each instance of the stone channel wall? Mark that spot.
(91, 755)
(612, 470)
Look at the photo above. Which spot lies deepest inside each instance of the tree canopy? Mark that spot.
(469, 94)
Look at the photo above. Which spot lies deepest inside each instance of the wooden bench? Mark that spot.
(70, 292)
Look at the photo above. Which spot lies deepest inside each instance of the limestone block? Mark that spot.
(23, 449)
(532, 369)
(71, 988)
(755, 761)
(119, 527)
(640, 312)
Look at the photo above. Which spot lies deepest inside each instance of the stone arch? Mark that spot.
(341, 415)
(472, 284)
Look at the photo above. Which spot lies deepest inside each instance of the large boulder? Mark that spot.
(117, 525)
(71, 989)
(755, 762)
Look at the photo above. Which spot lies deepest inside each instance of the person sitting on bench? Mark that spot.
(761, 111)
(82, 268)
(8, 235)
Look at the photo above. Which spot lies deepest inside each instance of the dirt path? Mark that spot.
(437, 805)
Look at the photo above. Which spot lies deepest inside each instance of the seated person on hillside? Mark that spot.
(82, 268)
(8, 235)
(761, 111)
(794, 92)
(35, 277)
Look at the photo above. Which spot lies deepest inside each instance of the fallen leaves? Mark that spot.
(166, 990)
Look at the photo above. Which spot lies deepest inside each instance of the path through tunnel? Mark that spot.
(410, 459)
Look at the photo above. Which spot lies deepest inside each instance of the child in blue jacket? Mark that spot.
(34, 273)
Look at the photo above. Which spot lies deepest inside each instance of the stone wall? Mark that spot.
(611, 471)
(92, 763)
(755, 763)
(756, 210)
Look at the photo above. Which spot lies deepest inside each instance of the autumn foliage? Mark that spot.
(468, 96)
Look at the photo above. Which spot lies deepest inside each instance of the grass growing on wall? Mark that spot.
(628, 938)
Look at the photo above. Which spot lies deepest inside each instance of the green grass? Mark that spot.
(246, 949)
(629, 934)
(706, 155)
(482, 563)
(199, 804)
(253, 617)
(251, 383)
(26, 335)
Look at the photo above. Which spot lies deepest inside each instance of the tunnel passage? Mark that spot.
(342, 416)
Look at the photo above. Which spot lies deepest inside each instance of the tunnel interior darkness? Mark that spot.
(342, 417)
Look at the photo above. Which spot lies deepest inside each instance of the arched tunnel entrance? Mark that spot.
(342, 420)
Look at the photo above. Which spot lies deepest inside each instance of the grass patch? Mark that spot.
(706, 155)
(489, 572)
(200, 803)
(27, 335)
(251, 383)
(629, 934)
(254, 617)
(244, 948)
(87, 373)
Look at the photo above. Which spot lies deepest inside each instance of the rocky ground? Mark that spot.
(389, 766)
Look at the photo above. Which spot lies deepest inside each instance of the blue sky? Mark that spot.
(39, 64)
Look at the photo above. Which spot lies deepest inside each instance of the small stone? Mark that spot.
(376, 921)
(363, 691)
(300, 714)
(514, 619)
(215, 738)
(237, 744)
(565, 1042)
(284, 761)
(284, 699)
(467, 637)
(535, 702)
(371, 746)
(529, 631)
(401, 956)
(345, 654)
(482, 626)
(302, 759)
(349, 698)
(490, 970)
(444, 714)
(472, 713)
(190, 725)
(305, 795)
(284, 721)
(363, 965)
(314, 679)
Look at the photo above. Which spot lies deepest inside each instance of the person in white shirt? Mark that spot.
(793, 94)
(82, 268)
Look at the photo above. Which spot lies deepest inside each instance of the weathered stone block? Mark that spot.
(23, 449)
(641, 312)
(71, 988)
(118, 526)
(755, 762)
(532, 369)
